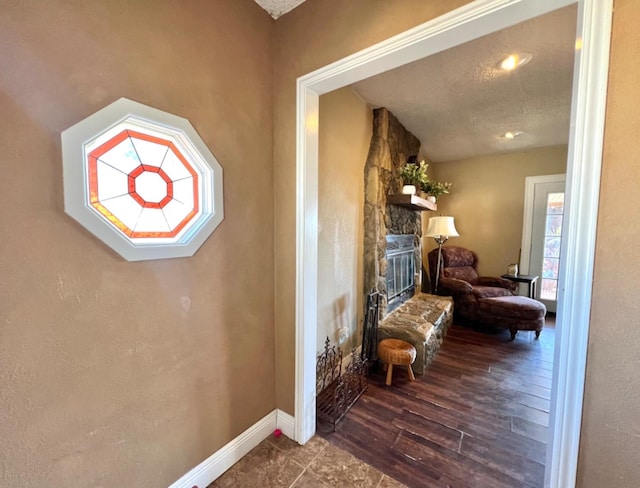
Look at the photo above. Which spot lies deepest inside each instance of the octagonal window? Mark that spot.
(146, 184)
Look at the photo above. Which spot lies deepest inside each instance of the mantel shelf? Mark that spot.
(412, 202)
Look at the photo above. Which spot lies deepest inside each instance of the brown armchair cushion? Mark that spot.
(455, 286)
(490, 292)
(464, 273)
(495, 281)
(457, 257)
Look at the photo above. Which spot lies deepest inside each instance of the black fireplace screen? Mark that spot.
(400, 269)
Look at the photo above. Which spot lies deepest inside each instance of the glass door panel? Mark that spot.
(551, 249)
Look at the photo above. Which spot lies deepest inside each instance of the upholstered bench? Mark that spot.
(513, 312)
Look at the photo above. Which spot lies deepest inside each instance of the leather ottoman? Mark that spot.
(514, 313)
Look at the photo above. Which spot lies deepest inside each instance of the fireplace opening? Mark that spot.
(400, 269)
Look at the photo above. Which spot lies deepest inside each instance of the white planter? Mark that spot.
(409, 190)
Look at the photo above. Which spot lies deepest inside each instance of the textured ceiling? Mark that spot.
(458, 102)
(276, 8)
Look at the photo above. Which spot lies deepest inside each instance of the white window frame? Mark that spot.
(78, 140)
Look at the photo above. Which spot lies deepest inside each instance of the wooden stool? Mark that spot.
(396, 352)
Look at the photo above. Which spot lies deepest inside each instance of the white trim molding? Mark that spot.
(584, 164)
(469, 22)
(285, 423)
(211, 468)
(215, 465)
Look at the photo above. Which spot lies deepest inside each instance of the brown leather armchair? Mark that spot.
(459, 279)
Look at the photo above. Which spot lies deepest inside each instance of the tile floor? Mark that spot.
(282, 463)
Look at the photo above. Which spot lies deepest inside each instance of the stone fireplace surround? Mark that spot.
(391, 145)
(423, 319)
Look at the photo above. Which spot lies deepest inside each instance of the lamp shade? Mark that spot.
(441, 226)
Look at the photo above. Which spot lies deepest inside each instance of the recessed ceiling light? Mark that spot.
(514, 61)
(511, 134)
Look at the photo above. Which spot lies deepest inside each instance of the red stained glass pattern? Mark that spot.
(133, 190)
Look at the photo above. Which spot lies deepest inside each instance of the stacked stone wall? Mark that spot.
(391, 145)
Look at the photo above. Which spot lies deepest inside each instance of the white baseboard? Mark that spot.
(285, 423)
(211, 468)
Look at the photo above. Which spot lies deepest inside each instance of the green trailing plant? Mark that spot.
(435, 188)
(416, 174)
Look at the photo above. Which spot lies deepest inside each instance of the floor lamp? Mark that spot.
(440, 228)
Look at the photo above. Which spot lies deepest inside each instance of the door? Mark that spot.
(544, 211)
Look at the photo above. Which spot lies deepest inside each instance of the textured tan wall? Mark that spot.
(115, 373)
(487, 202)
(610, 443)
(309, 37)
(344, 138)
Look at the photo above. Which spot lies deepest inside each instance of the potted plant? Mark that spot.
(414, 176)
(435, 188)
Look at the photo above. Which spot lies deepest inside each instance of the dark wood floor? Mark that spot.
(477, 418)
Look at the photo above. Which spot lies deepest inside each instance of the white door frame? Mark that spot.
(530, 183)
(583, 181)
